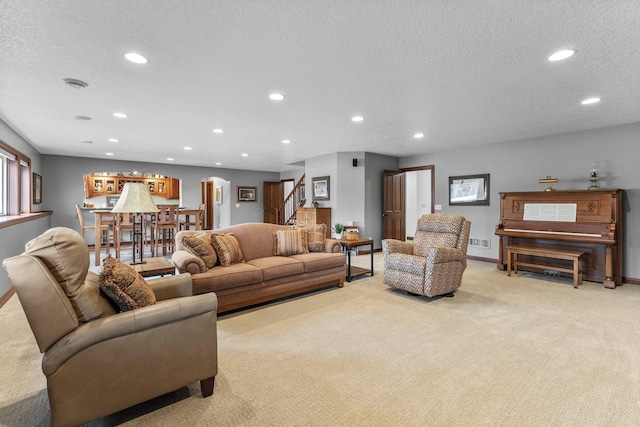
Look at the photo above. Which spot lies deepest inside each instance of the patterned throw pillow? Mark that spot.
(200, 245)
(124, 285)
(290, 242)
(315, 237)
(228, 248)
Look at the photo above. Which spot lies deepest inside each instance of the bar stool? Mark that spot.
(164, 227)
(104, 234)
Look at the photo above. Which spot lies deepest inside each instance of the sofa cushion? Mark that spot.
(290, 242)
(124, 285)
(219, 278)
(315, 237)
(65, 253)
(320, 261)
(228, 248)
(277, 266)
(200, 245)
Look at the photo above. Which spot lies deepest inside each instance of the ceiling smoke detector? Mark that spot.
(75, 83)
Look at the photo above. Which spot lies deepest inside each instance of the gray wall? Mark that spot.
(356, 192)
(63, 185)
(517, 166)
(514, 166)
(12, 239)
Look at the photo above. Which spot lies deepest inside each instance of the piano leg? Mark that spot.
(608, 281)
(501, 265)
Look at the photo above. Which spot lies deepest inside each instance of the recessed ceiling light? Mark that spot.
(590, 101)
(113, 140)
(109, 154)
(136, 58)
(170, 159)
(286, 141)
(75, 83)
(188, 148)
(418, 135)
(562, 54)
(218, 130)
(245, 155)
(86, 142)
(276, 97)
(120, 115)
(218, 163)
(357, 118)
(86, 118)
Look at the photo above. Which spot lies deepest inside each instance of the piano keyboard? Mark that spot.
(566, 233)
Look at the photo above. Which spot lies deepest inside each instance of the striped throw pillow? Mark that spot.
(290, 242)
(228, 248)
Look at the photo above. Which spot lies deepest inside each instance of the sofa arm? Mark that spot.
(186, 262)
(332, 246)
(129, 324)
(391, 246)
(171, 286)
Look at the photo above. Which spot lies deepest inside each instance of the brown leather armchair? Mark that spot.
(98, 361)
(433, 264)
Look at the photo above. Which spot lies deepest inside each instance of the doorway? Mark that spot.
(407, 195)
(217, 203)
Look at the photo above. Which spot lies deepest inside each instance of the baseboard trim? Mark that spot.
(630, 280)
(7, 296)
(483, 259)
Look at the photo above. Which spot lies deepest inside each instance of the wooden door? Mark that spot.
(208, 202)
(393, 201)
(273, 197)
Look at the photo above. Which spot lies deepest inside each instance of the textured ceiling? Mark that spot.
(463, 72)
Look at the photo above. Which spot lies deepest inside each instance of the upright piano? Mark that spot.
(588, 221)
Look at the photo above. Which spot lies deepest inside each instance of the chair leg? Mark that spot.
(206, 386)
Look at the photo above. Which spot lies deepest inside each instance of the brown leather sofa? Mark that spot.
(262, 276)
(98, 361)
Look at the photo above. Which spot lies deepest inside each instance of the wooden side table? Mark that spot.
(350, 244)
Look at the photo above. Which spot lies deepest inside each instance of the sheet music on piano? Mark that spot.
(561, 212)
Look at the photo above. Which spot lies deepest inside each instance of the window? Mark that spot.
(15, 181)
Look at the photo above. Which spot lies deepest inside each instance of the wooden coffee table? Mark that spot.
(155, 267)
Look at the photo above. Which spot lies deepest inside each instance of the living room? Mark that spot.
(563, 139)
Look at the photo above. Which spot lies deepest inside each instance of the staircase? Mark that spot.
(286, 212)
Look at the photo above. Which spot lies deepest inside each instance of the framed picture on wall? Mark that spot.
(218, 195)
(469, 190)
(321, 189)
(247, 194)
(37, 189)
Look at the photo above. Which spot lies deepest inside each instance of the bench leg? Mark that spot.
(509, 255)
(576, 272)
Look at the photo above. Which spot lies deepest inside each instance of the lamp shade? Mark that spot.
(135, 198)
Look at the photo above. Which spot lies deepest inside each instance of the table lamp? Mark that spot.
(136, 199)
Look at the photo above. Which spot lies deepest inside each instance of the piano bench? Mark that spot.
(514, 251)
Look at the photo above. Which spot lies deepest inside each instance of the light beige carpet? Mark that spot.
(521, 351)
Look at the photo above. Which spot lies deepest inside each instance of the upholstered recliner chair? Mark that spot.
(433, 264)
(97, 360)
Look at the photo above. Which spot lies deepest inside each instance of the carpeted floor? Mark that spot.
(522, 351)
